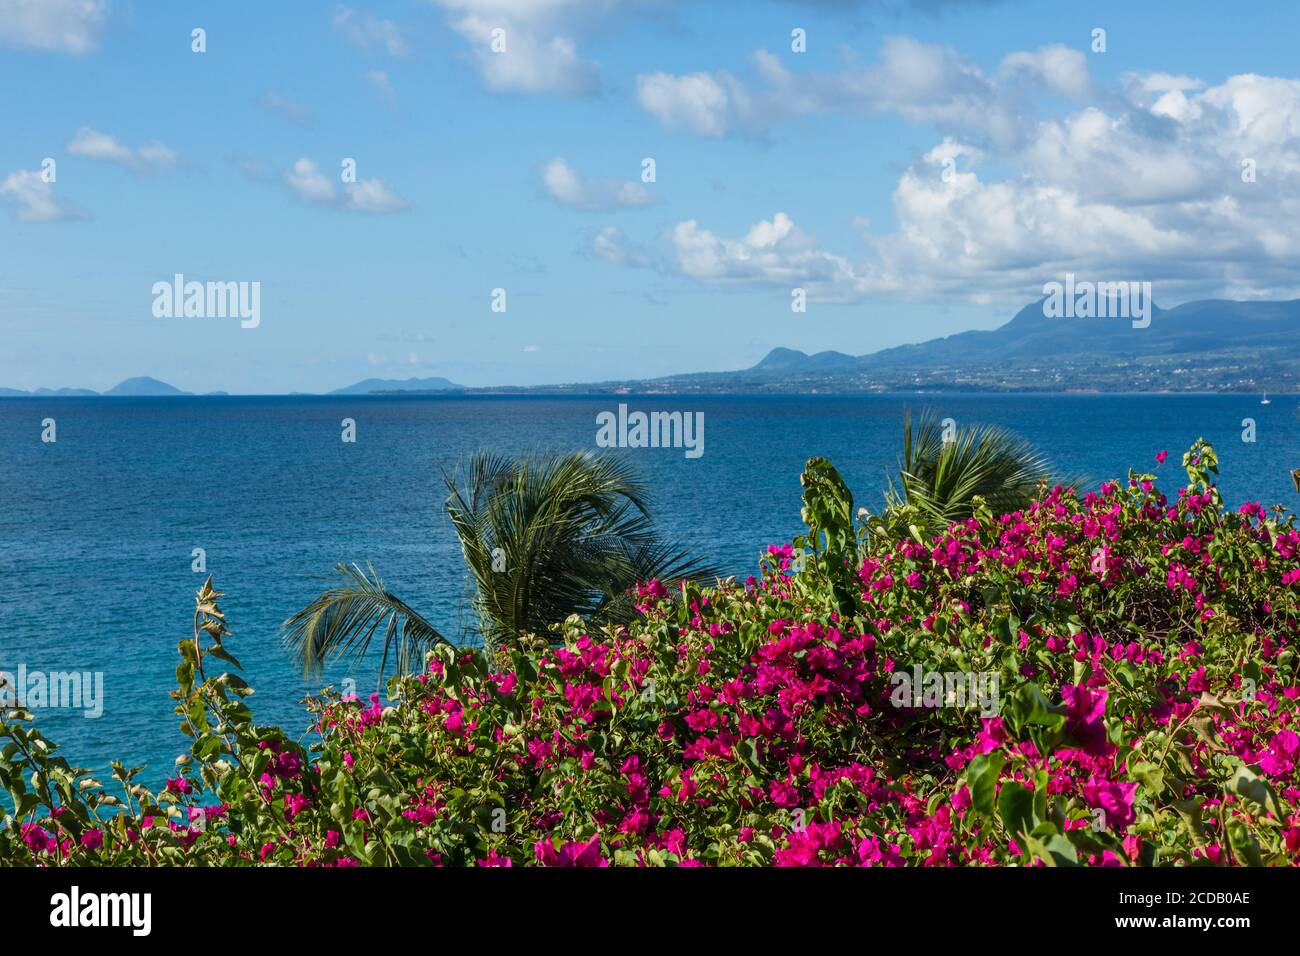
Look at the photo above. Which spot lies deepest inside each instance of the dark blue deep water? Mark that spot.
(96, 530)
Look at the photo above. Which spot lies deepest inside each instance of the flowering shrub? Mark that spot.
(1147, 715)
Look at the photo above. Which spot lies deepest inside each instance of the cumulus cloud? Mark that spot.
(773, 253)
(1193, 187)
(306, 179)
(612, 246)
(540, 42)
(58, 26)
(365, 195)
(149, 159)
(923, 82)
(371, 195)
(370, 33)
(570, 188)
(32, 198)
(1057, 68)
(1164, 82)
(701, 103)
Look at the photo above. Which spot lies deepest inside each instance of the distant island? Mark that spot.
(137, 387)
(380, 386)
(145, 387)
(1213, 345)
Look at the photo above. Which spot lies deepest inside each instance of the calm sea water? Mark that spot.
(97, 529)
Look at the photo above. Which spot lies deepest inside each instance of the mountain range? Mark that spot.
(1203, 346)
(1211, 345)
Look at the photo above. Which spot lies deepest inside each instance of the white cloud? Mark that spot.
(148, 159)
(33, 199)
(923, 82)
(1057, 68)
(529, 64)
(1164, 82)
(773, 253)
(365, 195)
(310, 183)
(697, 102)
(371, 195)
(1101, 157)
(371, 33)
(1141, 184)
(541, 53)
(59, 26)
(969, 238)
(570, 188)
(611, 245)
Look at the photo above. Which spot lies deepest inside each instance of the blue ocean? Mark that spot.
(98, 528)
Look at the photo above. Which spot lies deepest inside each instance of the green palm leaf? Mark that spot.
(569, 534)
(941, 479)
(543, 537)
(344, 620)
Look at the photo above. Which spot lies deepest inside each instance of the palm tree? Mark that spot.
(549, 536)
(543, 537)
(941, 478)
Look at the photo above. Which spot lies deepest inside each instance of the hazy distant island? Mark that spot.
(136, 387)
(380, 386)
(1214, 345)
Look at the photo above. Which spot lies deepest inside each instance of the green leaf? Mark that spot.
(1030, 708)
(1250, 785)
(982, 779)
(216, 650)
(1056, 850)
(1243, 843)
(1016, 808)
(1149, 775)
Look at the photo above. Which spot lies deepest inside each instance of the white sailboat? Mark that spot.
(1266, 400)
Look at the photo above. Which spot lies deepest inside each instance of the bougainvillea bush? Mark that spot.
(1142, 648)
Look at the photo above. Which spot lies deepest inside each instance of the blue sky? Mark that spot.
(522, 170)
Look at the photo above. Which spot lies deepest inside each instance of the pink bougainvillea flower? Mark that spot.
(1083, 720)
(1114, 799)
(571, 854)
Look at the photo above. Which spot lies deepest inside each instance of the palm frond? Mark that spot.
(344, 620)
(573, 531)
(942, 479)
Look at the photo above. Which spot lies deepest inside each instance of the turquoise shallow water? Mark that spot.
(96, 530)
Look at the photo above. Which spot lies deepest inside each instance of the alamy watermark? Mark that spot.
(652, 430)
(68, 690)
(73, 909)
(208, 300)
(1098, 300)
(957, 689)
